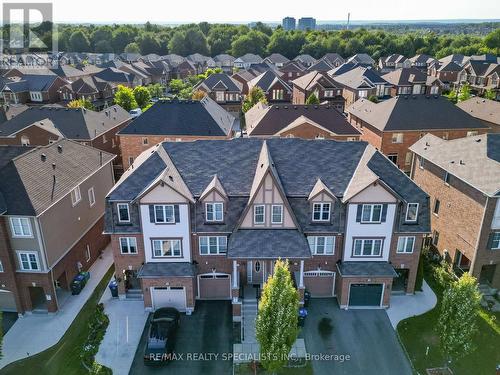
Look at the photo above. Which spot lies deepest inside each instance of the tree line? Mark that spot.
(213, 39)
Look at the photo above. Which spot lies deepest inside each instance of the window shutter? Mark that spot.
(358, 213)
(176, 213)
(151, 213)
(489, 246)
(384, 212)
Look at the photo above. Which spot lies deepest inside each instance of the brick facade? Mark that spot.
(189, 283)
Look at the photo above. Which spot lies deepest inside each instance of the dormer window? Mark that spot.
(321, 212)
(411, 212)
(123, 213)
(277, 214)
(214, 212)
(259, 212)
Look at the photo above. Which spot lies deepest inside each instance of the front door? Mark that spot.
(487, 273)
(255, 271)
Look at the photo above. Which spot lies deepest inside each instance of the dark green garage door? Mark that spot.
(365, 295)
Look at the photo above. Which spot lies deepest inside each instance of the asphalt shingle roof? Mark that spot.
(163, 269)
(356, 269)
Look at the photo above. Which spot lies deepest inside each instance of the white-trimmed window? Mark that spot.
(321, 245)
(321, 212)
(1, 266)
(28, 260)
(21, 227)
(219, 96)
(472, 133)
(495, 241)
(397, 137)
(259, 214)
(328, 93)
(213, 245)
(277, 214)
(405, 244)
(91, 196)
(371, 213)
(367, 247)
(123, 213)
(164, 213)
(128, 245)
(411, 212)
(76, 196)
(166, 248)
(421, 162)
(214, 211)
(363, 93)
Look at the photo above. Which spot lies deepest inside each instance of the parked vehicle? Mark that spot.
(135, 112)
(161, 336)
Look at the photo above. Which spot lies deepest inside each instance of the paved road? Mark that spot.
(365, 335)
(208, 331)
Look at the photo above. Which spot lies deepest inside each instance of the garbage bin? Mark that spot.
(77, 284)
(307, 297)
(113, 286)
(86, 277)
(302, 316)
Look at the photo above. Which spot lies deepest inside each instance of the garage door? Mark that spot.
(319, 283)
(365, 295)
(214, 286)
(169, 297)
(7, 301)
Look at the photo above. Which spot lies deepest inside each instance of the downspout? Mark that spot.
(473, 264)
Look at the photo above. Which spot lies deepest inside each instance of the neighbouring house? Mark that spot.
(322, 65)
(176, 120)
(292, 70)
(206, 219)
(243, 77)
(117, 77)
(222, 61)
(321, 85)
(247, 60)
(51, 221)
(334, 59)
(362, 59)
(275, 88)
(199, 61)
(362, 82)
(69, 73)
(412, 81)
(344, 68)
(465, 204)
(392, 62)
(393, 125)
(33, 89)
(226, 91)
(301, 121)
(456, 58)
(277, 60)
(447, 73)
(485, 110)
(481, 76)
(96, 90)
(9, 111)
(422, 61)
(305, 60)
(39, 126)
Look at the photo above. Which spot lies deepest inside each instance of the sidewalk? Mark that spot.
(405, 306)
(127, 319)
(34, 333)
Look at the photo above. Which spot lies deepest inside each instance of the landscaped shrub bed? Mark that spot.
(97, 324)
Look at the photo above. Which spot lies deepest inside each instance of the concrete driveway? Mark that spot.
(207, 332)
(366, 336)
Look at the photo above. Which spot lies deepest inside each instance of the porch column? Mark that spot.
(301, 277)
(235, 274)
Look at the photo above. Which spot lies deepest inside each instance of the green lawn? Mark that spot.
(64, 357)
(418, 333)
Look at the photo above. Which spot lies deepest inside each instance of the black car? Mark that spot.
(161, 336)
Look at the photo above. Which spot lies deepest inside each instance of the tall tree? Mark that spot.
(78, 42)
(122, 36)
(459, 312)
(254, 96)
(492, 41)
(142, 96)
(253, 42)
(132, 48)
(148, 43)
(277, 318)
(312, 99)
(124, 97)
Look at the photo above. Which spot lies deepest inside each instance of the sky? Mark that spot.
(232, 11)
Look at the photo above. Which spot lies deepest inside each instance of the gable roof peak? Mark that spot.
(215, 184)
(319, 187)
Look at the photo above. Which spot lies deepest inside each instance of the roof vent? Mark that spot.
(462, 162)
(478, 140)
(427, 144)
(54, 166)
(59, 149)
(171, 178)
(43, 157)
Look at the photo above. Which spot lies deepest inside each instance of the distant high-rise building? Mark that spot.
(289, 23)
(307, 23)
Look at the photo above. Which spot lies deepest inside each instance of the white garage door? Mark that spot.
(169, 297)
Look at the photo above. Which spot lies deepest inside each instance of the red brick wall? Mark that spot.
(36, 135)
(345, 282)
(187, 282)
(125, 262)
(407, 260)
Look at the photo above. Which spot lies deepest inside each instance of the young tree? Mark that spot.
(155, 90)
(198, 95)
(464, 93)
(142, 96)
(277, 318)
(124, 97)
(254, 96)
(132, 48)
(458, 316)
(312, 99)
(373, 98)
(490, 94)
(81, 103)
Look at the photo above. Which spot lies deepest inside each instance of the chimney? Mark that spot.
(43, 157)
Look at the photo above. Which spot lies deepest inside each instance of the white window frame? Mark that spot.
(28, 253)
(164, 210)
(408, 210)
(280, 206)
(219, 96)
(255, 213)
(397, 138)
(76, 196)
(91, 194)
(220, 245)
(402, 245)
(214, 211)
(20, 220)
(1, 267)
(493, 240)
(372, 210)
(118, 211)
(314, 244)
(130, 242)
(322, 211)
(371, 255)
(171, 240)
